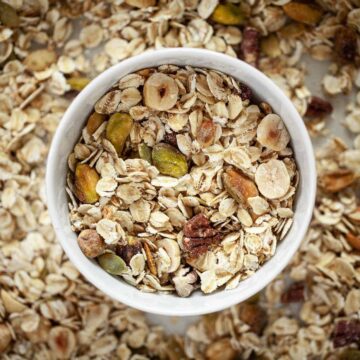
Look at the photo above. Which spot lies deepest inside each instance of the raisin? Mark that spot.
(346, 44)
(295, 293)
(346, 332)
(250, 46)
(318, 107)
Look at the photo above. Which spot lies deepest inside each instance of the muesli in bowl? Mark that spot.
(181, 180)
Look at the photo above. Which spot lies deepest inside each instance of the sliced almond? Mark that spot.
(272, 179)
(272, 133)
(160, 92)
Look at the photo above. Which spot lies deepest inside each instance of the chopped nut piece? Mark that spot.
(228, 14)
(336, 180)
(94, 121)
(86, 179)
(221, 350)
(250, 46)
(112, 263)
(308, 14)
(353, 240)
(206, 133)
(184, 281)
(118, 130)
(90, 243)
(239, 186)
(346, 43)
(126, 252)
(150, 259)
(318, 107)
(254, 316)
(62, 342)
(169, 161)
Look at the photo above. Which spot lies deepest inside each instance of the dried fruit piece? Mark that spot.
(90, 243)
(318, 107)
(8, 16)
(94, 121)
(5, 335)
(228, 14)
(145, 152)
(170, 138)
(126, 252)
(169, 161)
(86, 179)
(221, 350)
(108, 103)
(150, 259)
(346, 332)
(272, 133)
(239, 186)
(270, 46)
(337, 180)
(141, 4)
(346, 43)
(160, 92)
(246, 92)
(118, 129)
(112, 263)
(250, 46)
(353, 241)
(308, 14)
(295, 293)
(254, 316)
(41, 59)
(78, 83)
(206, 133)
(272, 179)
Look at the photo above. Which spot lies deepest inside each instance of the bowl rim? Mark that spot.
(219, 303)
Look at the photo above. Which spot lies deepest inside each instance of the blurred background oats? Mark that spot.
(49, 50)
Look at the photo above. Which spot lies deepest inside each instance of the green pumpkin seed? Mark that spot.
(145, 152)
(112, 263)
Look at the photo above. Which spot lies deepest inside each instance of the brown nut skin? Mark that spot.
(353, 241)
(254, 316)
(90, 243)
(206, 133)
(94, 121)
(239, 186)
(221, 350)
(118, 129)
(86, 179)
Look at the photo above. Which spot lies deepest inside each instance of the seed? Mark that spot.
(78, 83)
(228, 14)
(112, 263)
(308, 14)
(86, 179)
(94, 121)
(169, 161)
(118, 129)
(145, 152)
(8, 16)
(90, 243)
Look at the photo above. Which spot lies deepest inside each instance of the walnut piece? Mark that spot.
(184, 281)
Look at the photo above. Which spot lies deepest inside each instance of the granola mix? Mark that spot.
(47, 310)
(178, 174)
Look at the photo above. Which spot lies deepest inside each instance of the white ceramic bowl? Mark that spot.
(69, 131)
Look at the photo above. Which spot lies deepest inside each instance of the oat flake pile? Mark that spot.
(47, 310)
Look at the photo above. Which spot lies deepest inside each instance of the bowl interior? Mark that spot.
(69, 131)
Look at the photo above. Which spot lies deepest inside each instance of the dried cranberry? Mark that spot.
(170, 138)
(246, 93)
(346, 332)
(295, 293)
(346, 43)
(318, 107)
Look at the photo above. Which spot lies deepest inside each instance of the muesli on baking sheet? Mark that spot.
(181, 180)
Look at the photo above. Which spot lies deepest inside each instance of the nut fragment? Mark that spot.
(118, 130)
(228, 14)
(5, 335)
(221, 350)
(94, 121)
(308, 14)
(254, 316)
(78, 83)
(240, 187)
(169, 161)
(142, 4)
(41, 59)
(206, 133)
(250, 46)
(353, 240)
(272, 133)
(127, 251)
(145, 152)
(90, 243)
(112, 263)
(184, 281)
(86, 179)
(336, 181)
(318, 107)
(62, 342)
(272, 179)
(346, 43)
(150, 259)
(160, 92)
